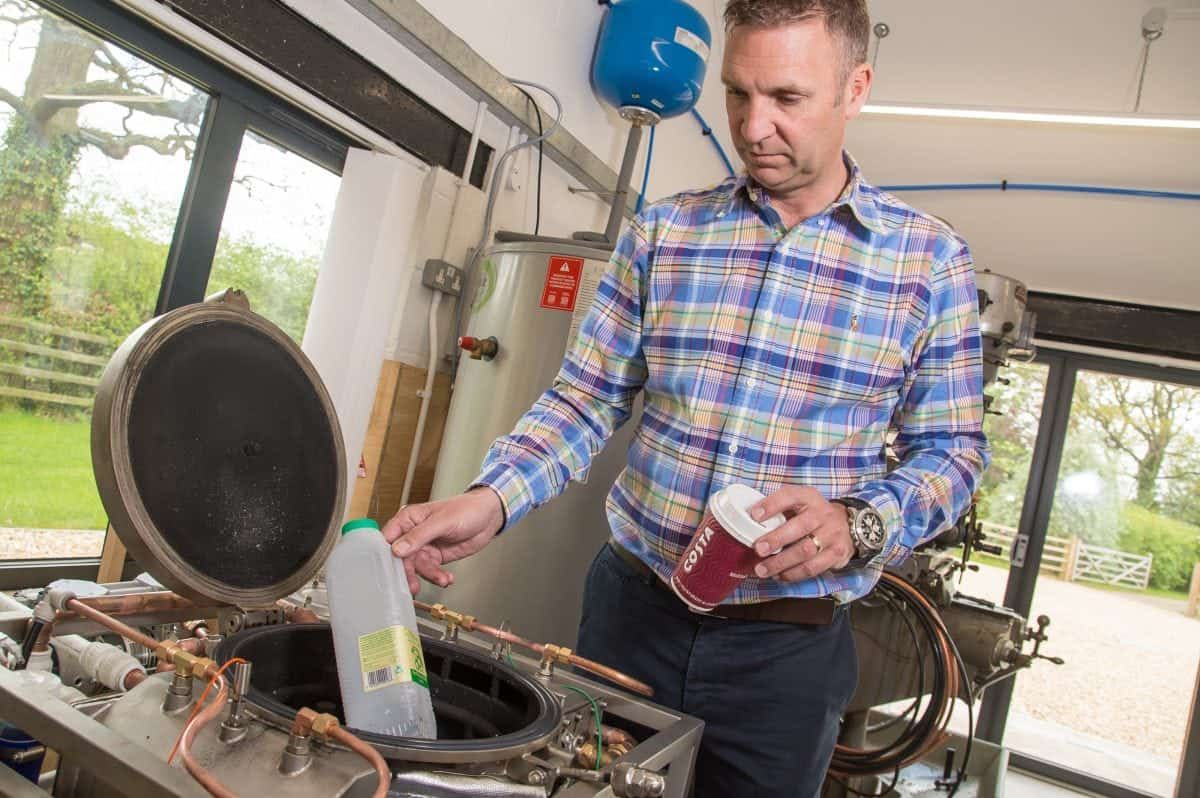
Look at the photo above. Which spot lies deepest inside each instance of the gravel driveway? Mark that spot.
(34, 544)
(1130, 672)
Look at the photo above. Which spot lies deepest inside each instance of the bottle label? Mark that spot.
(391, 656)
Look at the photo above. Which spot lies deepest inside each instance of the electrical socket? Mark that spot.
(442, 276)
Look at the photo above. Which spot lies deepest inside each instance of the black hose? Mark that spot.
(30, 639)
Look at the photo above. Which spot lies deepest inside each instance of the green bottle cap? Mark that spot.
(359, 523)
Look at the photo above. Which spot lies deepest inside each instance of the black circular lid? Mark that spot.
(218, 455)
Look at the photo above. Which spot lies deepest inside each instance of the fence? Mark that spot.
(1055, 556)
(1071, 559)
(45, 364)
(1098, 564)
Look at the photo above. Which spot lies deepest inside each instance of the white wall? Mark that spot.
(1078, 55)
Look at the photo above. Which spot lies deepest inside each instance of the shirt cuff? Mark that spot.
(507, 483)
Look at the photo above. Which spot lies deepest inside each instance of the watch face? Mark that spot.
(870, 529)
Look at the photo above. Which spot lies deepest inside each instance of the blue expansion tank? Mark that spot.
(651, 55)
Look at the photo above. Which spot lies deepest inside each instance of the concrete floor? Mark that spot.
(1024, 785)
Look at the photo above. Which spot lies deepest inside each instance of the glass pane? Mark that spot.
(1125, 525)
(94, 155)
(274, 230)
(1011, 426)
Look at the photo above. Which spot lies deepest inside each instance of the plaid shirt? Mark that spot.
(768, 357)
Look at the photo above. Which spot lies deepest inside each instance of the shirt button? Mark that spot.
(750, 383)
(733, 448)
(767, 315)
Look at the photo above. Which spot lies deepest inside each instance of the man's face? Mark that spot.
(787, 101)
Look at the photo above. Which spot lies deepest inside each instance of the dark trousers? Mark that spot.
(771, 695)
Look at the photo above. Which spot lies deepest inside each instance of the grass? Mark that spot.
(46, 477)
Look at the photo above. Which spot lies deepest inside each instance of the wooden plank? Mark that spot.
(57, 354)
(28, 324)
(377, 431)
(1194, 591)
(52, 376)
(41, 396)
(397, 448)
(112, 558)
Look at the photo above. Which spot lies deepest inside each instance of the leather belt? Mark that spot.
(806, 611)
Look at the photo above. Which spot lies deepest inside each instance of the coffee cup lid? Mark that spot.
(731, 507)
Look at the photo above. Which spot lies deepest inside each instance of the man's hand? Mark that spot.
(427, 536)
(815, 538)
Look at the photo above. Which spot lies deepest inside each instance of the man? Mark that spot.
(778, 325)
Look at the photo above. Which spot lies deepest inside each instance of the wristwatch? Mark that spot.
(867, 530)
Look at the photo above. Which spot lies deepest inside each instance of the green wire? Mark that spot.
(596, 713)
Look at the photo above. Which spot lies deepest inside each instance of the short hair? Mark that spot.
(846, 20)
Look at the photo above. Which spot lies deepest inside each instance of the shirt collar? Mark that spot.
(859, 195)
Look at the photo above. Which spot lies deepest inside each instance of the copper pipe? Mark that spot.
(611, 735)
(77, 607)
(293, 613)
(134, 604)
(207, 780)
(133, 679)
(368, 753)
(603, 671)
(611, 674)
(164, 649)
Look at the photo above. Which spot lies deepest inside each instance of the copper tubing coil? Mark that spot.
(368, 753)
(943, 648)
(603, 671)
(207, 780)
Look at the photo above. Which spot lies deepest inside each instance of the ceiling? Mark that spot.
(1070, 55)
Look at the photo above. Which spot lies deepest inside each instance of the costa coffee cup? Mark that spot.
(721, 553)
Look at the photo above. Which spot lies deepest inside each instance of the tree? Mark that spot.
(71, 70)
(1145, 423)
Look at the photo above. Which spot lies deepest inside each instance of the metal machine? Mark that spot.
(219, 460)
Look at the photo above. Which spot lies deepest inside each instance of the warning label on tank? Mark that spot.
(593, 270)
(562, 283)
(391, 656)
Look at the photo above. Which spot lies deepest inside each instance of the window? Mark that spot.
(122, 186)
(274, 230)
(95, 147)
(1124, 534)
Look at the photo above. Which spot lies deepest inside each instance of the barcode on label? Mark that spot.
(379, 677)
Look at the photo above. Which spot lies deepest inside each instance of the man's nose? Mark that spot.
(756, 124)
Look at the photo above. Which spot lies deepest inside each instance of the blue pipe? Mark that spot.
(707, 131)
(646, 174)
(1004, 185)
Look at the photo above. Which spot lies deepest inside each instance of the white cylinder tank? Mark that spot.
(532, 297)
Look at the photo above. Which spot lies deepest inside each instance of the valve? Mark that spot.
(1038, 637)
(480, 348)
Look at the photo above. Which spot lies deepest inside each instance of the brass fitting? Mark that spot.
(553, 653)
(309, 721)
(585, 755)
(440, 612)
(324, 724)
